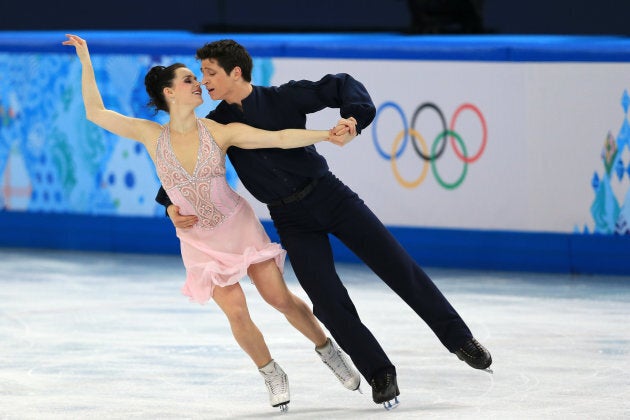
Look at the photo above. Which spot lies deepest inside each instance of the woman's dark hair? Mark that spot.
(158, 78)
(229, 54)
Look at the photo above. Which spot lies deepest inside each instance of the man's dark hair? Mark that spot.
(229, 54)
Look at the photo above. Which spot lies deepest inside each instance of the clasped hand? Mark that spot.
(343, 132)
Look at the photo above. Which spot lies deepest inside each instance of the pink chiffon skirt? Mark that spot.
(221, 256)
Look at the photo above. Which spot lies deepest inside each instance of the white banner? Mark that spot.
(523, 150)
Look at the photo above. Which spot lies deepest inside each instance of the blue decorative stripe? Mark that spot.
(545, 48)
(450, 248)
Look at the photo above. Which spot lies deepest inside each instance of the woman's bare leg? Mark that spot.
(231, 300)
(271, 286)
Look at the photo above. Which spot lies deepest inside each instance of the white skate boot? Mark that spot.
(337, 361)
(277, 384)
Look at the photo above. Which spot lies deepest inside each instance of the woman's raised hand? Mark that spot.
(79, 44)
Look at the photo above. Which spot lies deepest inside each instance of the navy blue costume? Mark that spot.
(307, 202)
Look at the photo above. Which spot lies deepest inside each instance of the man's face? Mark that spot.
(217, 82)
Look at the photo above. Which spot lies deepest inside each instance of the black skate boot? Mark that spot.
(385, 389)
(475, 355)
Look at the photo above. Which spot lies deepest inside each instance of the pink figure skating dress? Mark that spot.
(228, 236)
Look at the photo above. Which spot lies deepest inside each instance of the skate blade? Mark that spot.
(391, 404)
(284, 408)
(490, 371)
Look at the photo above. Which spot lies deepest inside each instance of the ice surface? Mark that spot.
(109, 336)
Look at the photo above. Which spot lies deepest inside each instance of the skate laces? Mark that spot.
(381, 383)
(475, 355)
(475, 350)
(276, 381)
(336, 361)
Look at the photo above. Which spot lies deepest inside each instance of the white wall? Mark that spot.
(546, 125)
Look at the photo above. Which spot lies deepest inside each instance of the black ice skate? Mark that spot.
(385, 390)
(475, 355)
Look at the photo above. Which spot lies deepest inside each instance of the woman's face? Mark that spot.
(186, 87)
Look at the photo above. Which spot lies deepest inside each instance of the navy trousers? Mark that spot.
(334, 208)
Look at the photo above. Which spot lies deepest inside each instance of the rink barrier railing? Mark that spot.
(454, 248)
(431, 247)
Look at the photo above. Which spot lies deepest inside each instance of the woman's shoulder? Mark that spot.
(214, 129)
(210, 124)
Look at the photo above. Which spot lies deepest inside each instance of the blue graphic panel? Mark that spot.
(53, 160)
(611, 212)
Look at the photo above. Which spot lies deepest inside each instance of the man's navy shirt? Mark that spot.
(270, 174)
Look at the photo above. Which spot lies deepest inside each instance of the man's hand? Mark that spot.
(182, 222)
(344, 131)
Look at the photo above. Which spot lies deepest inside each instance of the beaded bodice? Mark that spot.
(205, 192)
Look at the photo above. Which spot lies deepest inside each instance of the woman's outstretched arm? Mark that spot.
(95, 111)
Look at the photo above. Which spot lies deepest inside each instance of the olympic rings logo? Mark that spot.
(448, 134)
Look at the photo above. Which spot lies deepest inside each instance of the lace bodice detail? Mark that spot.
(206, 192)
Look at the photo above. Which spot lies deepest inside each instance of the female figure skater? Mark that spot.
(227, 242)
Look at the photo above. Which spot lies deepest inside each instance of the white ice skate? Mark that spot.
(277, 384)
(337, 361)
